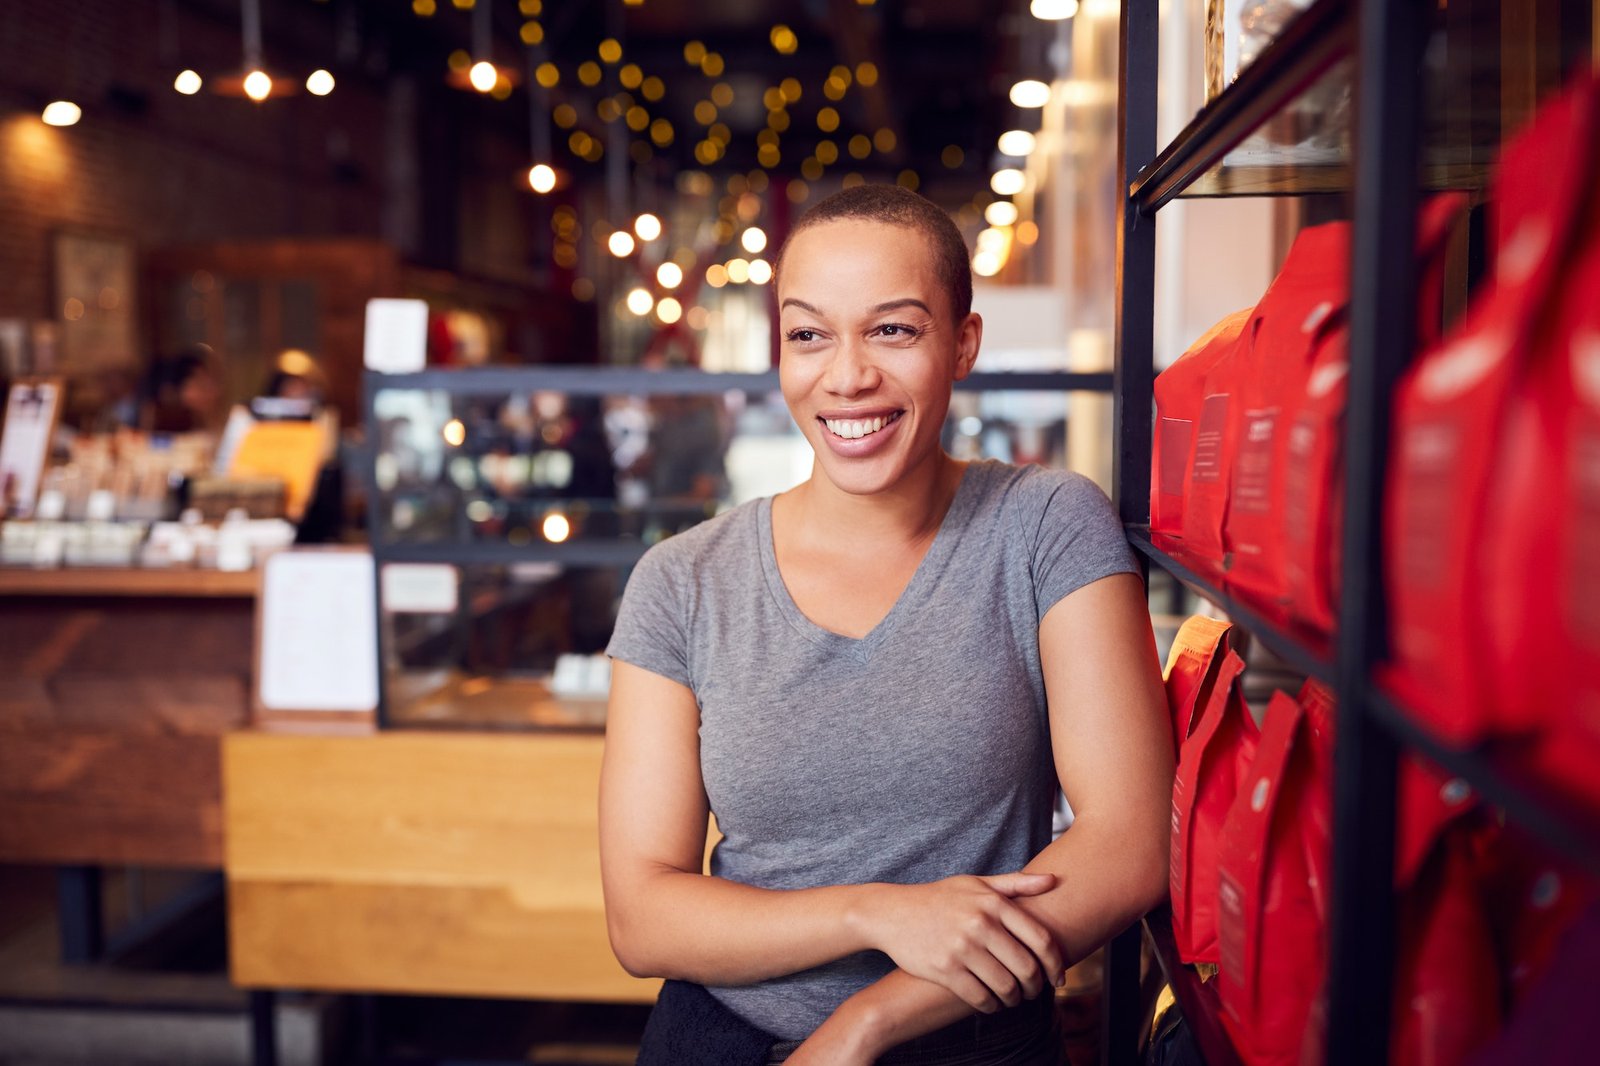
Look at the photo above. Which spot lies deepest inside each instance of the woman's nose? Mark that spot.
(851, 370)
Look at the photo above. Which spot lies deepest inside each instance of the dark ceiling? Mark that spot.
(943, 65)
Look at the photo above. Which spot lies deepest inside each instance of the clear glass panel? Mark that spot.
(550, 468)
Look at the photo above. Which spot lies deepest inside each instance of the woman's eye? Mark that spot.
(896, 329)
(802, 336)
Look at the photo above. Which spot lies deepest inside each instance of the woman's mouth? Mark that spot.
(856, 428)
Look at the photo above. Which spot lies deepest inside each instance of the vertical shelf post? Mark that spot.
(1390, 38)
(1133, 373)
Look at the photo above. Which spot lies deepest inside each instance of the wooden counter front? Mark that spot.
(116, 687)
(418, 862)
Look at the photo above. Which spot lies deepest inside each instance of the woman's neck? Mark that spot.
(906, 514)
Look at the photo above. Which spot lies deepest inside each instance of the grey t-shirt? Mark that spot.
(917, 752)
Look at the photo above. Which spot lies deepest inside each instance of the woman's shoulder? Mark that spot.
(1034, 489)
(715, 542)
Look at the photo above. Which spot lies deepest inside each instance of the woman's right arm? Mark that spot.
(668, 919)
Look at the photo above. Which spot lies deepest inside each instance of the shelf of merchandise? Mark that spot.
(1197, 998)
(1385, 40)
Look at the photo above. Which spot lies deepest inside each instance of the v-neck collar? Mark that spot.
(916, 589)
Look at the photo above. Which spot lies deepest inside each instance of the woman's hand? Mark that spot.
(966, 934)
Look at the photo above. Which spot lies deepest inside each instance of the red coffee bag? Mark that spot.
(1271, 959)
(1208, 770)
(1192, 667)
(1180, 396)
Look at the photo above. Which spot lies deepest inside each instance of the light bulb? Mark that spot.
(1016, 142)
(319, 83)
(760, 271)
(257, 86)
(1001, 213)
(986, 264)
(753, 240)
(1053, 10)
(1030, 93)
(647, 226)
(556, 528)
(61, 113)
(669, 275)
(621, 244)
(640, 301)
(738, 271)
(188, 82)
(1008, 182)
(669, 310)
(542, 177)
(483, 76)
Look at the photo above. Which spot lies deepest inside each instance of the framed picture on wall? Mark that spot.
(96, 305)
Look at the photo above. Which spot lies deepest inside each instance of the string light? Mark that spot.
(621, 245)
(760, 271)
(669, 275)
(61, 113)
(1030, 93)
(669, 310)
(188, 82)
(542, 177)
(483, 75)
(738, 271)
(1053, 10)
(319, 83)
(647, 226)
(1008, 182)
(1016, 143)
(640, 302)
(753, 240)
(1001, 213)
(257, 85)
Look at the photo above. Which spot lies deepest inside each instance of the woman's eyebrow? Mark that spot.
(800, 304)
(895, 305)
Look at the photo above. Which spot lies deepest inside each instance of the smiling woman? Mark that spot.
(878, 682)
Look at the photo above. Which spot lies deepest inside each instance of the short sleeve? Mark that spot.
(650, 630)
(1078, 539)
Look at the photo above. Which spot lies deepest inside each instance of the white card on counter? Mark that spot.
(397, 336)
(420, 588)
(319, 634)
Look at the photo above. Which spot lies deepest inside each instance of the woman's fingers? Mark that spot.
(1000, 981)
(1020, 884)
(1020, 963)
(1032, 935)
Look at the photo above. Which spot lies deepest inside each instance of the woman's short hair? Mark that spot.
(900, 207)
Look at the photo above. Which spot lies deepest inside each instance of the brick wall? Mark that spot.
(156, 166)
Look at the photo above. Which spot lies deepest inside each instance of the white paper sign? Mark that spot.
(25, 446)
(397, 336)
(420, 588)
(319, 639)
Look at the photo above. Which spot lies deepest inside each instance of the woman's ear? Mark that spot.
(968, 339)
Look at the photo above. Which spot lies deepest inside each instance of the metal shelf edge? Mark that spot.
(1313, 42)
(1567, 835)
(1288, 647)
(1197, 998)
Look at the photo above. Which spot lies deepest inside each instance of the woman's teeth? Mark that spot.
(854, 428)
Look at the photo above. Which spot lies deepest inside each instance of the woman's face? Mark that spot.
(869, 349)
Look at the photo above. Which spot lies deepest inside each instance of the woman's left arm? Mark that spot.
(1113, 754)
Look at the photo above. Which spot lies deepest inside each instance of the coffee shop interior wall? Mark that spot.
(427, 170)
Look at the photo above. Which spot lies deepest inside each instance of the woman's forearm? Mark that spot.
(1104, 883)
(705, 929)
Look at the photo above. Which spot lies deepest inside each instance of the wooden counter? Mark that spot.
(115, 689)
(119, 582)
(419, 862)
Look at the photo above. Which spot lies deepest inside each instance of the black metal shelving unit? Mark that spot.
(1385, 39)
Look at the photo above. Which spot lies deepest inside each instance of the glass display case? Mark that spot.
(507, 505)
